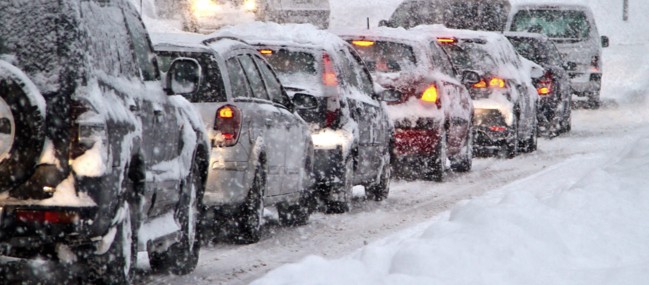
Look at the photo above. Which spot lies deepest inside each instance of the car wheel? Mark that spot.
(344, 204)
(117, 265)
(292, 215)
(181, 257)
(22, 132)
(380, 189)
(530, 143)
(437, 166)
(510, 148)
(594, 101)
(464, 162)
(251, 212)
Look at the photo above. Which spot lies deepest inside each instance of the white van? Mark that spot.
(573, 30)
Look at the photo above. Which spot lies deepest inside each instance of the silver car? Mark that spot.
(572, 28)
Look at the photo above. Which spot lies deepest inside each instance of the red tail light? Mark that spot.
(328, 73)
(51, 217)
(228, 122)
(544, 84)
(494, 82)
(497, 128)
(594, 62)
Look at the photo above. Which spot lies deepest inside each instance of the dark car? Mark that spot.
(431, 109)
(86, 179)
(504, 98)
(458, 14)
(262, 153)
(554, 113)
(350, 128)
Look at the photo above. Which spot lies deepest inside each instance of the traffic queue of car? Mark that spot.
(99, 163)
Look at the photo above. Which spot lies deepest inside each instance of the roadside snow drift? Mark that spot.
(570, 230)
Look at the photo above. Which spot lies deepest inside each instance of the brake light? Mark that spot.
(50, 217)
(497, 128)
(332, 118)
(363, 43)
(228, 123)
(480, 84)
(266, 51)
(594, 62)
(544, 84)
(443, 40)
(430, 94)
(496, 83)
(329, 73)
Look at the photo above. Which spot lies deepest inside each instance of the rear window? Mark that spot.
(531, 49)
(293, 67)
(471, 56)
(385, 57)
(560, 24)
(211, 89)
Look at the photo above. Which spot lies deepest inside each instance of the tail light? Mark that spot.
(544, 84)
(497, 128)
(431, 95)
(449, 40)
(88, 128)
(594, 62)
(328, 72)
(363, 43)
(228, 123)
(332, 118)
(49, 217)
(495, 82)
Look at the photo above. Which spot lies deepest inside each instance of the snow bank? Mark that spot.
(570, 230)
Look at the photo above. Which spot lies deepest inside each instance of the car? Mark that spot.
(458, 14)
(351, 130)
(207, 16)
(504, 97)
(87, 180)
(430, 108)
(261, 149)
(554, 111)
(573, 30)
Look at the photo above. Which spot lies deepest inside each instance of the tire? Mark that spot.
(379, 191)
(594, 101)
(181, 257)
(293, 215)
(117, 265)
(340, 207)
(511, 148)
(21, 124)
(436, 170)
(251, 211)
(531, 143)
(464, 162)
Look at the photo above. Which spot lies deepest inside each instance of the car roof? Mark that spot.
(551, 6)
(540, 37)
(292, 35)
(394, 34)
(190, 42)
(442, 31)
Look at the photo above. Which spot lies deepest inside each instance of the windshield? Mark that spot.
(293, 67)
(386, 57)
(553, 23)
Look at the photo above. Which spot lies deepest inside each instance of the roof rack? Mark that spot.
(216, 39)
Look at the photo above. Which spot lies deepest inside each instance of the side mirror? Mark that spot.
(570, 66)
(390, 96)
(537, 71)
(384, 23)
(303, 101)
(605, 41)
(470, 77)
(184, 77)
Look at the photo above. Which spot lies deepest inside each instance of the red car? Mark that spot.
(429, 106)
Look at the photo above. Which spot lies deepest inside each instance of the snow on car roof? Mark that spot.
(278, 34)
(526, 35)
(178, 38)
(399, 34)
(559, 5)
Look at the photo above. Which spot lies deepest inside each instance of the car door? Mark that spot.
(295, 139)
(275, 132)
(160, 117)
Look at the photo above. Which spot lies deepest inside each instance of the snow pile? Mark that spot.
(566, 231)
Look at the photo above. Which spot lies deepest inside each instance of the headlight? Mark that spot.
(249, 5)
(203, 8)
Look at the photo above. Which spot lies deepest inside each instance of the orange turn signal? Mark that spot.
(226, 113)
(497, 83)
(430, 95)
(266, 51)
(447, 40)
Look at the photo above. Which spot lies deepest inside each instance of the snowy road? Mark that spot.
(597, 139)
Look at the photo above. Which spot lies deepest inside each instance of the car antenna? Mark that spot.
(368, 23)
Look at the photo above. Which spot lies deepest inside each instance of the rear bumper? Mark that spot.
(586, 84)
(416, 141)
(486, 139)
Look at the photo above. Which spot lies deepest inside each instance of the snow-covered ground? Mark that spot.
(574, 212)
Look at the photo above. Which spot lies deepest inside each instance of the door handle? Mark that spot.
(158, 116)
(268, 122)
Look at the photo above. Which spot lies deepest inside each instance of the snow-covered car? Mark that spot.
(261, 153)
(351, 130)
(431, 109)
(86, 177)
(209, 15)
(554, 112)
(484, 15)
(574, 31)
(504, 98)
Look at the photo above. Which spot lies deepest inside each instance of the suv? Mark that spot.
(504, 97)
(554, 114)
(351, 130)
(261, 150)
(209, 15)
(458, 14)
(431, 109)
(87, 179)
(572, 28)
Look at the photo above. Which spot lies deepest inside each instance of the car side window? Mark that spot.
(272, 84)
(363, 74)
(254, 78)
(348, 72)
(238, 81)
(144, 54)
(441, 60)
